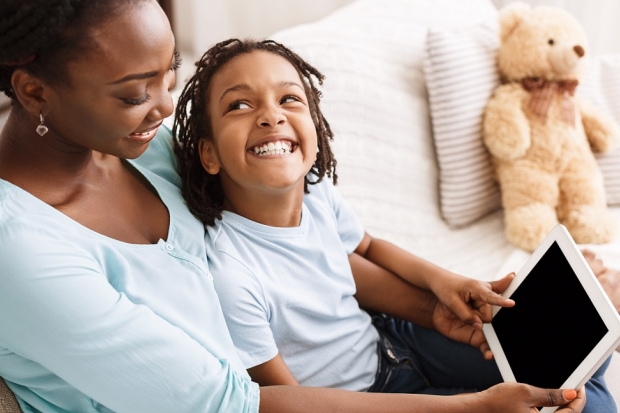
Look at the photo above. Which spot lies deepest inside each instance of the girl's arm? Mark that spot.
(272, 372)
(381, 290)
(453, 290)
(377, 267)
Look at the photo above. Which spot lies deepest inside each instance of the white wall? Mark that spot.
(201, 23)
(600, 19)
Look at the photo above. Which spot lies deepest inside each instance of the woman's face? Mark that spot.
(118, 93)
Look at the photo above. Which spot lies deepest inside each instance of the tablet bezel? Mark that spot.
(599, 299)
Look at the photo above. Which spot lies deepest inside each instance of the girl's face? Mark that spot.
(119, 92)
(264, 138)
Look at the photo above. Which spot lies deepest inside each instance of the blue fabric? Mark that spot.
(291, 290)
(92, 324)
(416, 360)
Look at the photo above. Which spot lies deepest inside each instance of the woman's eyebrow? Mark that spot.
(139, 76)
(134, 76)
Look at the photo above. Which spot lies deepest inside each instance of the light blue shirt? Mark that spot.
(291, 289)
(92, 324)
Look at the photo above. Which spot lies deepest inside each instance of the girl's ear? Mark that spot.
(30, 92)
(208, 157)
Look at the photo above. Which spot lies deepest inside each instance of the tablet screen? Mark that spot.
(549, 331)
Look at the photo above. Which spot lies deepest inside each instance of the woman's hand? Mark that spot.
(464, 304)
(522, 398)
(607, 277)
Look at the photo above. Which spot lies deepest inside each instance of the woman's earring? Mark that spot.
(42, 129)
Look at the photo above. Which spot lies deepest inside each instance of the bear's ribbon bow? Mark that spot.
(544, 91)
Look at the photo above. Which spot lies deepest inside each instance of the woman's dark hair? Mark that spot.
(203, 192)
(42, 36)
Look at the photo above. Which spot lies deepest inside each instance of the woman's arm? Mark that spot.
(504, 398)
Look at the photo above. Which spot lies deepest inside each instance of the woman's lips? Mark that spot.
(146, 136)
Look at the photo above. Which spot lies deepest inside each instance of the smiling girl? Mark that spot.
(293, 266)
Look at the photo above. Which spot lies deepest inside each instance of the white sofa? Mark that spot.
(375, 99)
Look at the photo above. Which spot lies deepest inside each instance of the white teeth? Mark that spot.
(273, 148)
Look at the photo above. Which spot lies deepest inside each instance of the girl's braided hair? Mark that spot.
(203, 192)
(42, 36)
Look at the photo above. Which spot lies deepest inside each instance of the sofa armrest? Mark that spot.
(8, 402)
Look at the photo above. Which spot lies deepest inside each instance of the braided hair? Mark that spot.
(42, 36)
(203, 192)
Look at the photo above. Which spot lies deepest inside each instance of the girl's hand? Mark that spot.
(464, 304)
(450, 325)
(522, 398)
(472, 300)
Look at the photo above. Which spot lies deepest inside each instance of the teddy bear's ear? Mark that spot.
(510, 17)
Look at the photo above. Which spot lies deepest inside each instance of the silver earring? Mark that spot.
(42, 129)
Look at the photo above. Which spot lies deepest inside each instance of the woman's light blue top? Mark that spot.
(92, 324)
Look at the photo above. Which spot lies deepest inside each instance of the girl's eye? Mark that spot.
(289, 99)
(238, 105)
(176, 62)
(140, 101)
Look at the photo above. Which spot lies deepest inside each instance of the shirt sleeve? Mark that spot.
(59, 310)
(245, 310)
(350, 228)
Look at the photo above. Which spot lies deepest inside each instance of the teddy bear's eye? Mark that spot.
(551, 42)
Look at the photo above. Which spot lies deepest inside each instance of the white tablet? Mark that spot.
(562, 327)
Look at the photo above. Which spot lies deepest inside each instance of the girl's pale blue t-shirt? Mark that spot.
(92, 324)
(291, 291)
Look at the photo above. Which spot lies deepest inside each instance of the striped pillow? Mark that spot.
(460, 76)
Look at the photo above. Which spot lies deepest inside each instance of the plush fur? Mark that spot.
(544, 164)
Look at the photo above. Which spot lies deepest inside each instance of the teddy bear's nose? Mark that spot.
(579, 50)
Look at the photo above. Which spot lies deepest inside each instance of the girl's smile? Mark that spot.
(279, 146)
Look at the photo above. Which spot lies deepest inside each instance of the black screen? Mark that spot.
(553, 325)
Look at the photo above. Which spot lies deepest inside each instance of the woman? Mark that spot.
(106, 299)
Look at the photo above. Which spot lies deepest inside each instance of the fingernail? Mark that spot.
(477, 326)
(569, 394)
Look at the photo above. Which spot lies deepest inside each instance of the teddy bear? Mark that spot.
(541, 136)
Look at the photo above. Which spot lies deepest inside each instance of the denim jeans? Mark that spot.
(413, 359)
